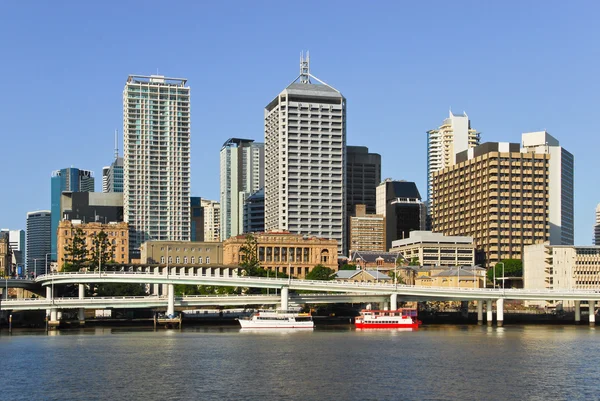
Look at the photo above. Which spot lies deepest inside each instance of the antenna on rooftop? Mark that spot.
(304, 68)
(116, 145)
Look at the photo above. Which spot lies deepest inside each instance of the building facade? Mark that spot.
(156, 159)
(90, 207)
(242, 173)
(16, 244)
(182, 253)
(597, 226)
(66, 180)
(254, 212)
(5, 255)
(453, 136)
(283, 252)
(560, 267)
(399, 202)
(38, 241)
(117, 235)
(561, 185)
(435, 249)
(305, 166)
(504, 200)
(212, 220)
(196, 219)
(367, 231)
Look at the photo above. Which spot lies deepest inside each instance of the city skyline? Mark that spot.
(494, 78)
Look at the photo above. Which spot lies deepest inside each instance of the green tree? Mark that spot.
(348, 266)
(76, 253)
(512, 268)
(102, 250)
(391, 273)
(320, 272)
(249, 257)
(120, 290)
(414, 262)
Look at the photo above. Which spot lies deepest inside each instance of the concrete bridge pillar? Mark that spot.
(394, 302)
(577, 312)
(500, 312)
(489, 312)
(171, 301)
(48, 292)
(59, 315)
(480, 311)
(155, 287)
(81, 311)
(592, 305)
(54, 315)
(284, 298)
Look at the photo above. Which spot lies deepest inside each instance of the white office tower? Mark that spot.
(156, 136)
(305, 143)
(242, 174)
(560, 186)
(453, 136)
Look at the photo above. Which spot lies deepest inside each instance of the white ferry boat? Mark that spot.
(278, 320)
(387, 319)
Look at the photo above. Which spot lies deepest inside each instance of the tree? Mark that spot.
(512, 268)
(348, 267)
(102, 250)
(120, 290)
(76, 253)
(391, 273)
(249, 256)
(320, 272)
(414, 262)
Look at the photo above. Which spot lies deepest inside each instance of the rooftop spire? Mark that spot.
(304, 68)
(116, 146)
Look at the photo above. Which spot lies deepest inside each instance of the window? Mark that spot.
(200, 259)
(185, 260)
(170, 259)
(162, 260)
(193, 259)
(207, 259)
(177, 260)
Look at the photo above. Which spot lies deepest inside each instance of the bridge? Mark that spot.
(168, 277)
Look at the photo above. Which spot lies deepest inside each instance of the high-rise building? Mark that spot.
(156, 159)
(66, 180)
(399, 202)
(453, 136)
(499, 195)
(92, 207)
(242, 173)
(597, 226)
(16, 243)
(254, 212)
(212, 220)
(435, 249)
(38, 241)
(561, 185)
(112, 176)
(305, 166)
(367, 231)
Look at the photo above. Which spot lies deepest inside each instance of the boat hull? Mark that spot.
(387, 325)
(248, 324)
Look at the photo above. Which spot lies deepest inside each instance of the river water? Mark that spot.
(433, 363)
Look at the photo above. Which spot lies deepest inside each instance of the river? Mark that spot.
(434, 363)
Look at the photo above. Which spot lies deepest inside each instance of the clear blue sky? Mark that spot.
(512, 66)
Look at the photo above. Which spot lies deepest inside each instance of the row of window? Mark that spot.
(192, 260)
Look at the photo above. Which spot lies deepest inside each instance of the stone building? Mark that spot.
(435, 249)
(5, 254)
(283, 252)
(182, 253)
(118, 237)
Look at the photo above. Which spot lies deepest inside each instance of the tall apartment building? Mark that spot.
(399, 202)
(367, 231)
(196, 219)
(305, 166)
(156, 159)
(498, 195)
(561, 185)
(38, 240)
(560, 267)
(242, 174)
(453, 136)
(254, 212)
(66, 180)
(212, 220)
(597, 226)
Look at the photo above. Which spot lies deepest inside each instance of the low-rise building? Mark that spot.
(449, 276)
(560, 267)
(436, 249)
(5, 255)
(182, 253)
(117, 235)
(367, 231)
(360, 275)
(283, 252)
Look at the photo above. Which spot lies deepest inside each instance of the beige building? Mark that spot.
(367, 231)
(118, 237)
(561, 267)
(212, 220)
(293, 254)
(182, 253)
(436, 249)
(496, 194)
(459, 276)
(5, 254)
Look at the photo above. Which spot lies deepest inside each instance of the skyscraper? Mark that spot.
(66, 180)
(38, 241)
(242, 174)
(212, 220)
(112, 176)
(597, 226)
(156, 159)
(196, 219)
(254, 212)
(561, 185)
(453, 136)
(305, 143)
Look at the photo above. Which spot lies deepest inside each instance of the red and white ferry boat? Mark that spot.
(405, 318)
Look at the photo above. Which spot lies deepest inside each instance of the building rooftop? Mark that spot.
(156, 79)
(431, 237)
